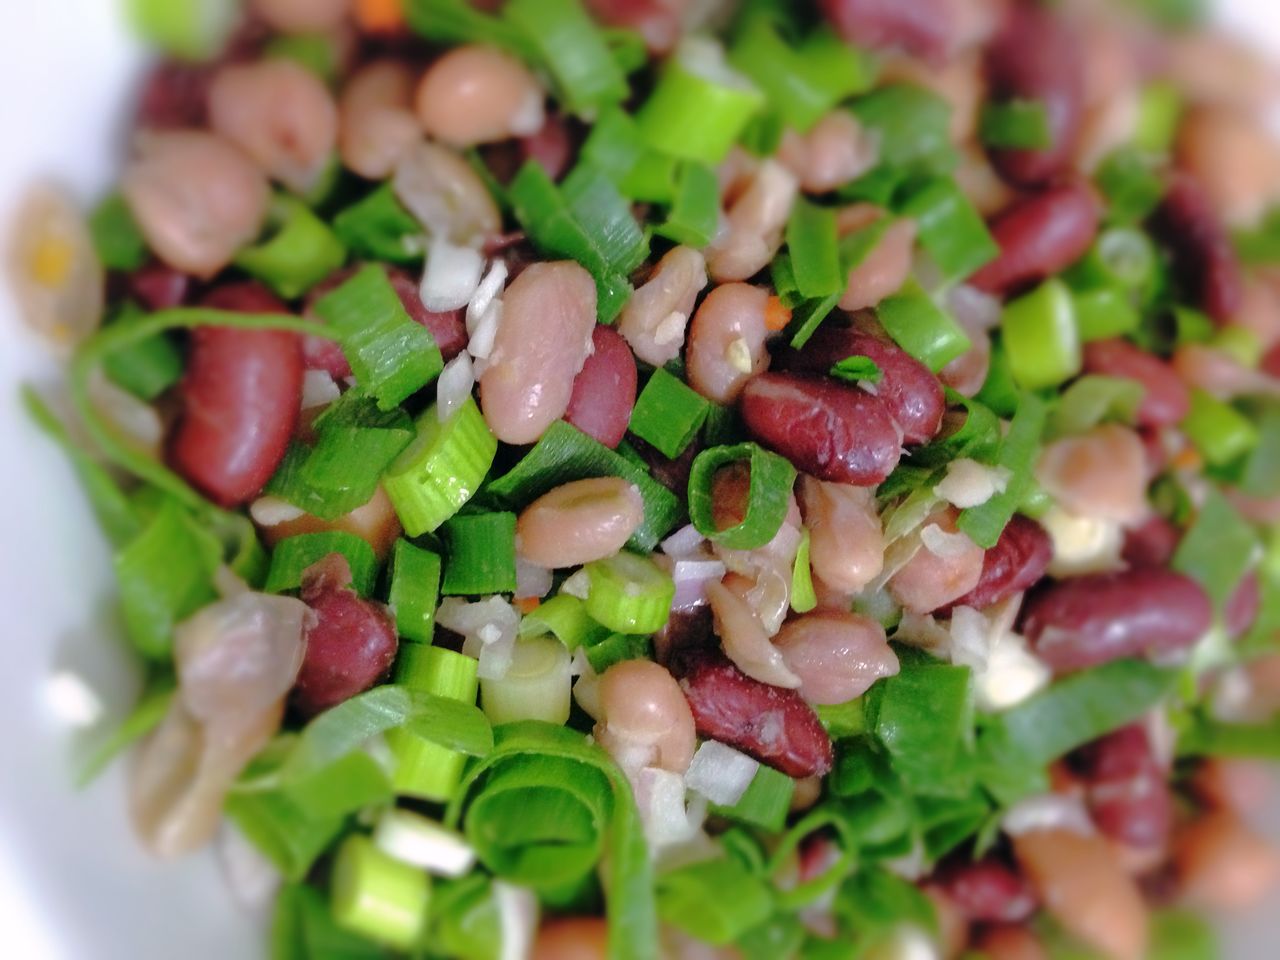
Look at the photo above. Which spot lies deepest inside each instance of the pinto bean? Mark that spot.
(931, 580)
(280, 114)
(883, 271)
(1241, 786)
(579, 522)
(1016, 563)
(910, 392)
(376, 119)
(743, 635)
(197, 199)
(644, 706)
(1234, 159)
(1165, 398)
(1084, 621)
(754, 223)
(836, 655)
(374, 522)
(542, 344)
(987, 890)
(1083, 885)
(773, 725)
(551, 146)
(1223, 864)
(575, 938)
(241, 394)
(726, 341)
(654, 319)
(1101, 474)
(301, 16)
(1039, 236)
(604, 392)
(1150, 544)
(919, 27)
(828, 430)
(1203, 257)
(834, 152)
(846, 547)
(1037, 56)
(440, 188)
(350, 644)
(477, 94)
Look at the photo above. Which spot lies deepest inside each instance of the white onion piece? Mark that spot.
(1005, 672)
(412, 838)
(577, 585)
(133, 421)
(1082, 544)
(973, 309)
(517, 918)
(485, 332)
(971, 484)
(489, 627)
(72, 701)
(691, 578)
(531, 580)
(319, 389)
(685, 542)
(721, 773)
(924, 632)
(454, 385)
(660, 796)
(451, 276)
(271, 511)
(489, 290)
(252, 878)
(1049, 811)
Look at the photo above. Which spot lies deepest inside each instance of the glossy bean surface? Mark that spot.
(376, 122)
(1101, 474)
(726, 341)
(1223, 864)
(604, 392)
(883, 270)
(931, 580)
(846, 540)
(919, 27)
(837, 656)
(1017, 562)
(987, 890)
(1039, 236)
(478, 94)
(579, 522)
(656, 317)
(643, 706)
(572, 938)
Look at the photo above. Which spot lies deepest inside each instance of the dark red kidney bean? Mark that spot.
(1084, 621)
(351, 642)
(1017, 562)
(986, 890)
(449, 328)
(826, 429)
(241, 393)
(920, 27)
(320, 353)
(1203, 256)
(1242, 608)
(1125, 787)
(552, 146)
(1151, 544)
(1039, 236)
(157, 286)
(773, 725)
(175, 95)
(604, 392)
(1119, 755)
(1038, 56)
(1166, 400)
(908, 389)
(1271, 361)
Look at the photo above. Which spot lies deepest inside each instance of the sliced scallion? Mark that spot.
(117, 240)
(629, 593)
(378, 227)
(378, 896)
(535, 687)
(1018, 452)
(922, 328)
(803, 596)
(424, 768)
(766, 802)
(573, 50)
(695, 207)
(564, 617)
(715, 901)
(771, 479)
(482, 554)
(618, 647)
(950, 228)
(298, 251)
(1016, 125)
(815, 253)
(414, 590)
(1041, 338)
(668, 414)
(1217, 429)
(293, 555)
(1104, 313)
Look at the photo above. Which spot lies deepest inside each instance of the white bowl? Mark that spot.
(73, 886)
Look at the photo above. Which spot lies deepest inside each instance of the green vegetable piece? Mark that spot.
(117, 240)
(1092, 400)
(379, 897)
(1040, 336)
(147, 368)
(766, 802)
(424, 768)
(815, 252)
(668, 414)
(1104, 313)
(565, 618)
(695, 209)
(857, 370)
(715, 901)
(286, 835)
(187, 29)
(1218, 549)
(1132, 184)
(414, 591)
(297, 252)
(378, 227)
(1015, 125)
(629, 594)
(1218, 430)
(770, 479)
(1159, 113)
(913, 126)
(302, 928)
(922, 328)
(618, 647)
(1018, 452)
(293, 555)
(482, 554)
(573, 50)
(803, 596)
(950, 228)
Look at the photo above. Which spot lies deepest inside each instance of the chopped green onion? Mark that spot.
(857, 370)
(535, 686)
(1159, 113)
(1218, 430)
(303, 928)
(695, 208)
(573, 50)
(117, 240)
(1260, 244)
(1239, 343)
(803, 596)
(616, 148)
(771, 479)
(281, 831)
(1015, 125)
(1218, 550)
(1040, 336)
(415, 588)
(293, 555)
(922, 328)
(1104, 313)
(807, 317)
(950, 228)
(465, 921)
(999, 392)
(1018, 452)
(442, 469)
(1092, 400)
(668, 414)
(976, 438)
(700, 106)
(618, 647)
(378, 896)
(424, 768)
(1211, 738)
(914, 128)
(456, 22)
(1132, 184)
(378, 227)
(766, 802)
(298, 251)
(564, 454)
(629, 593)
(1123, 258)
(392, 356)
(815, 252)
(1192, 326)
(714, 901)
(165, 574)
(482, 554)
(147, 368)
(1260, 472)
(564, 617)
(188, 29)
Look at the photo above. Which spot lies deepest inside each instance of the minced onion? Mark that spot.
(970, 484)
(414, 839)
(489, 627)
(518, 919)
(451, 276)
(685, 542)
(454, 385)
(668, 821)
(269, 511)
(318, 389)
(721, 773)
(1050, 811)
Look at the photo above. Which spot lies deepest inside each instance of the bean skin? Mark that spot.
(1084, 621)
(726, 341)
(175, 96)
(846, 547)
(1039, 236)
(1165, 398)
(447, 328)
(579, 522)
(158, 286)
(655, 318)
(644, 706)
(1203, 257)
(1037, 56)
(241, 394)
(1016, 563)
(376, 119)
(909, 391)
(477, 94)
(1222, 864)
(544, 339)
(919, 27)
(883, 270)
(986, 890)
(773, 725)
(1126, 788)
(551, 146)
(836, 655)
(604, 393)
(931, 580)
(826, 429)
(1101, 474)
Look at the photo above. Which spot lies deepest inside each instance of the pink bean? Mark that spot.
(1016, 563)
(826, 429)
(1084, 621)
(918, 27)
(836, 655)
(604, 393)
(1271, 362)
(986, 890)
(1203, 256)
(1039, 236)
(1165, 400)
(658, 21)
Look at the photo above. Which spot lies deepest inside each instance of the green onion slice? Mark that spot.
(629, 593)
(771, 479)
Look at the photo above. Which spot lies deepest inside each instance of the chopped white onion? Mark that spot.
(942, 544)
(924, 632)
(577, 585)
(1005, 672)
(738, 355)
(319, 389)
(1049, 811)
(489, 290)
(517, 918)
(907, 942)
(451, 277)
(660, 796)
(1082, 544)
(412, 838)
(973, 309)
(685, 542)
(721, 773)
(531, 580)
(489, 627)
(691, 577)
(454, 385)
(252, 878)
(137, 423)
(971, 484)
(484, 333)
(271, 511)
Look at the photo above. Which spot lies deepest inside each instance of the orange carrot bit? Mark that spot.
(1188, 458)
(379, 16)
(776, 314)
(526, 605)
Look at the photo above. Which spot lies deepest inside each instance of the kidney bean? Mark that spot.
(826, 429)
(1203, 257)
(604, 392)
(579, 522)
(1016, 563)
(986, 890)
(1242, 607)
(1039, 236)
(448, 328)
(542, 344)
(376, 122)
(643, 706)
(836, 655)
(158, 287)
(1165, 399)
(1101, 474)
(919, 27)
(726, 341)
(1037, 56)
(1271, 362)
(909, 391)
(1223, 864)
(374, 522)
(1010, 942)
(773, 725)
(241, 393)
(1085, 621)
(477, 94)
(572, 938)
(175, 96)
(929, 580)
(654, 319)
(883, 271)
(1126, 788)
(551, 146)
